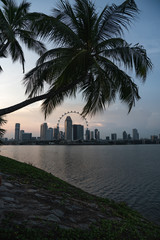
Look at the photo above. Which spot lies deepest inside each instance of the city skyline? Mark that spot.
(145, 116)
(49, 132)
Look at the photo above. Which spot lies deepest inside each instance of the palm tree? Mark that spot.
(14, 30)
(88, 58)
(2, 131)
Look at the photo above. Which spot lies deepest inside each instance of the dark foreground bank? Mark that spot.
(36, 205)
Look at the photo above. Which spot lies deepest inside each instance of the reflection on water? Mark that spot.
(123, 173)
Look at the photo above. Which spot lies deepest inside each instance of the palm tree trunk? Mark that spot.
(23, 104)
(29, 101)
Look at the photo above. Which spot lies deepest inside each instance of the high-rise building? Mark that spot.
(50, 134)
(61, 135)
(78, 132)
(135, 134)
(68, 128)
(129, 136)
(88, 135)
(26, 137)
(125, 136)
(43, 131)
(113, 136)
(56, 133)
(92, 135)
(21, 132)
(17, 131)
(96, 134)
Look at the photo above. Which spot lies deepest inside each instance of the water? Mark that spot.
(124, 173)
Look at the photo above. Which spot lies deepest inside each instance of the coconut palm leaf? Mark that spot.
(89, 57)
(2, 131)
(15, 29)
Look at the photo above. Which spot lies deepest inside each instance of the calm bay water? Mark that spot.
(124, 173)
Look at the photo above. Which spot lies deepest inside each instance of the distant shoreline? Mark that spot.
(101, 142)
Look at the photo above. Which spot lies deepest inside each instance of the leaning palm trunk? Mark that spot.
(20, 105)
(55, 94)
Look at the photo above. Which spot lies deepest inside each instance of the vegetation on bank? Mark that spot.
(131, 227)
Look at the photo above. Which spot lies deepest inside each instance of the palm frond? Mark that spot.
(4, 2)
(3, 23)
(65, 13)
(132, 57)
(52, 102)
(23, 7)
(56, 53)
(35, 79)
(108, 81)
(128, 92)
(88, 57)
(50, 28)
(15, 25)
(2, 131)
(56, 96)
(29, 39)
(17, 53)
(100, 89)
(61, 70)
(67, 82)
(114, 18)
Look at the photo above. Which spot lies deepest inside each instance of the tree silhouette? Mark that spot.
(14, 30)
(2, 131)
(88, 58)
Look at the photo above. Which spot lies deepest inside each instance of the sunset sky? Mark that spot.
(145, 116)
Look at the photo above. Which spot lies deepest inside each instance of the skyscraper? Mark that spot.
(43, 131)
(88, 135)
(56, 133)
(50, 134)
(21, 133)
(61, 135)
(68, 128)
(91, 135)
(135, 134)
(125, 136)
(78, 132)
(113, 136)
(96, 134)
(17, 131)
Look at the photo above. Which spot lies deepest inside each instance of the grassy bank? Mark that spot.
(126, 224)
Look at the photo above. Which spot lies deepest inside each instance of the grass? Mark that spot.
(131, 227)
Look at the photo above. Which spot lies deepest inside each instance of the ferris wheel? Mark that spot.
(72, 112)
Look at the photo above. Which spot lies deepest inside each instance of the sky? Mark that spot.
(145, 116)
